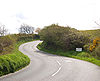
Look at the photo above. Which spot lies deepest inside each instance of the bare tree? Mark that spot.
(3, 30)
(96, 23)
(26, 29)
(97, 33)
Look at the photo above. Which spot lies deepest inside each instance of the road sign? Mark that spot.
(78, 49)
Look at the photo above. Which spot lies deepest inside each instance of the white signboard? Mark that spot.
(78, 49)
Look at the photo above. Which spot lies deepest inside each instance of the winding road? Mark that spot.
(49, 67)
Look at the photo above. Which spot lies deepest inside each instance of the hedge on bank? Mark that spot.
(65, 38)
(14, 61)
(11, 59)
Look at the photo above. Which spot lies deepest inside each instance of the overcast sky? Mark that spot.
(79, 14)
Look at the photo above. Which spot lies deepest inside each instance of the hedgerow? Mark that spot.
(65, 38)
(11, 59)
(14, 61)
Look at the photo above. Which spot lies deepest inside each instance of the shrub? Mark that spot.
(36, 36)
(6, 44)
(14, 61)
(59, 37)
(87, 47)
(96, 52)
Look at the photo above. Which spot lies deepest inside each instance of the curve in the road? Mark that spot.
(48, 67)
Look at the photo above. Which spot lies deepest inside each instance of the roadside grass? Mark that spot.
(86, 56)
(14, 61)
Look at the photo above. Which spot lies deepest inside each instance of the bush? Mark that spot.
(87, 47)
(59, 37)
(14, 61)
(25, 37)
(96, 52)
(36, 36)
(6, 44)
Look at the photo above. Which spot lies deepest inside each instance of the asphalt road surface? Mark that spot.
(48, 67)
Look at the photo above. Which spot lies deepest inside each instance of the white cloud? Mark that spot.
(80, 14)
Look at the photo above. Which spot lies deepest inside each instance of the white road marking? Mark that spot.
(56, 72)
(58, 62)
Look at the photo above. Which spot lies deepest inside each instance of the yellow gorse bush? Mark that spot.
(95, 43)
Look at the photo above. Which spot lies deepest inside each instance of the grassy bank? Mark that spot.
(14, 61)
(73, 54)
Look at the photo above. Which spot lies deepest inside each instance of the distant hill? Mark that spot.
(91, 33)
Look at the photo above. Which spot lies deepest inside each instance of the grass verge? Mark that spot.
(14, 61)
(73, 54)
